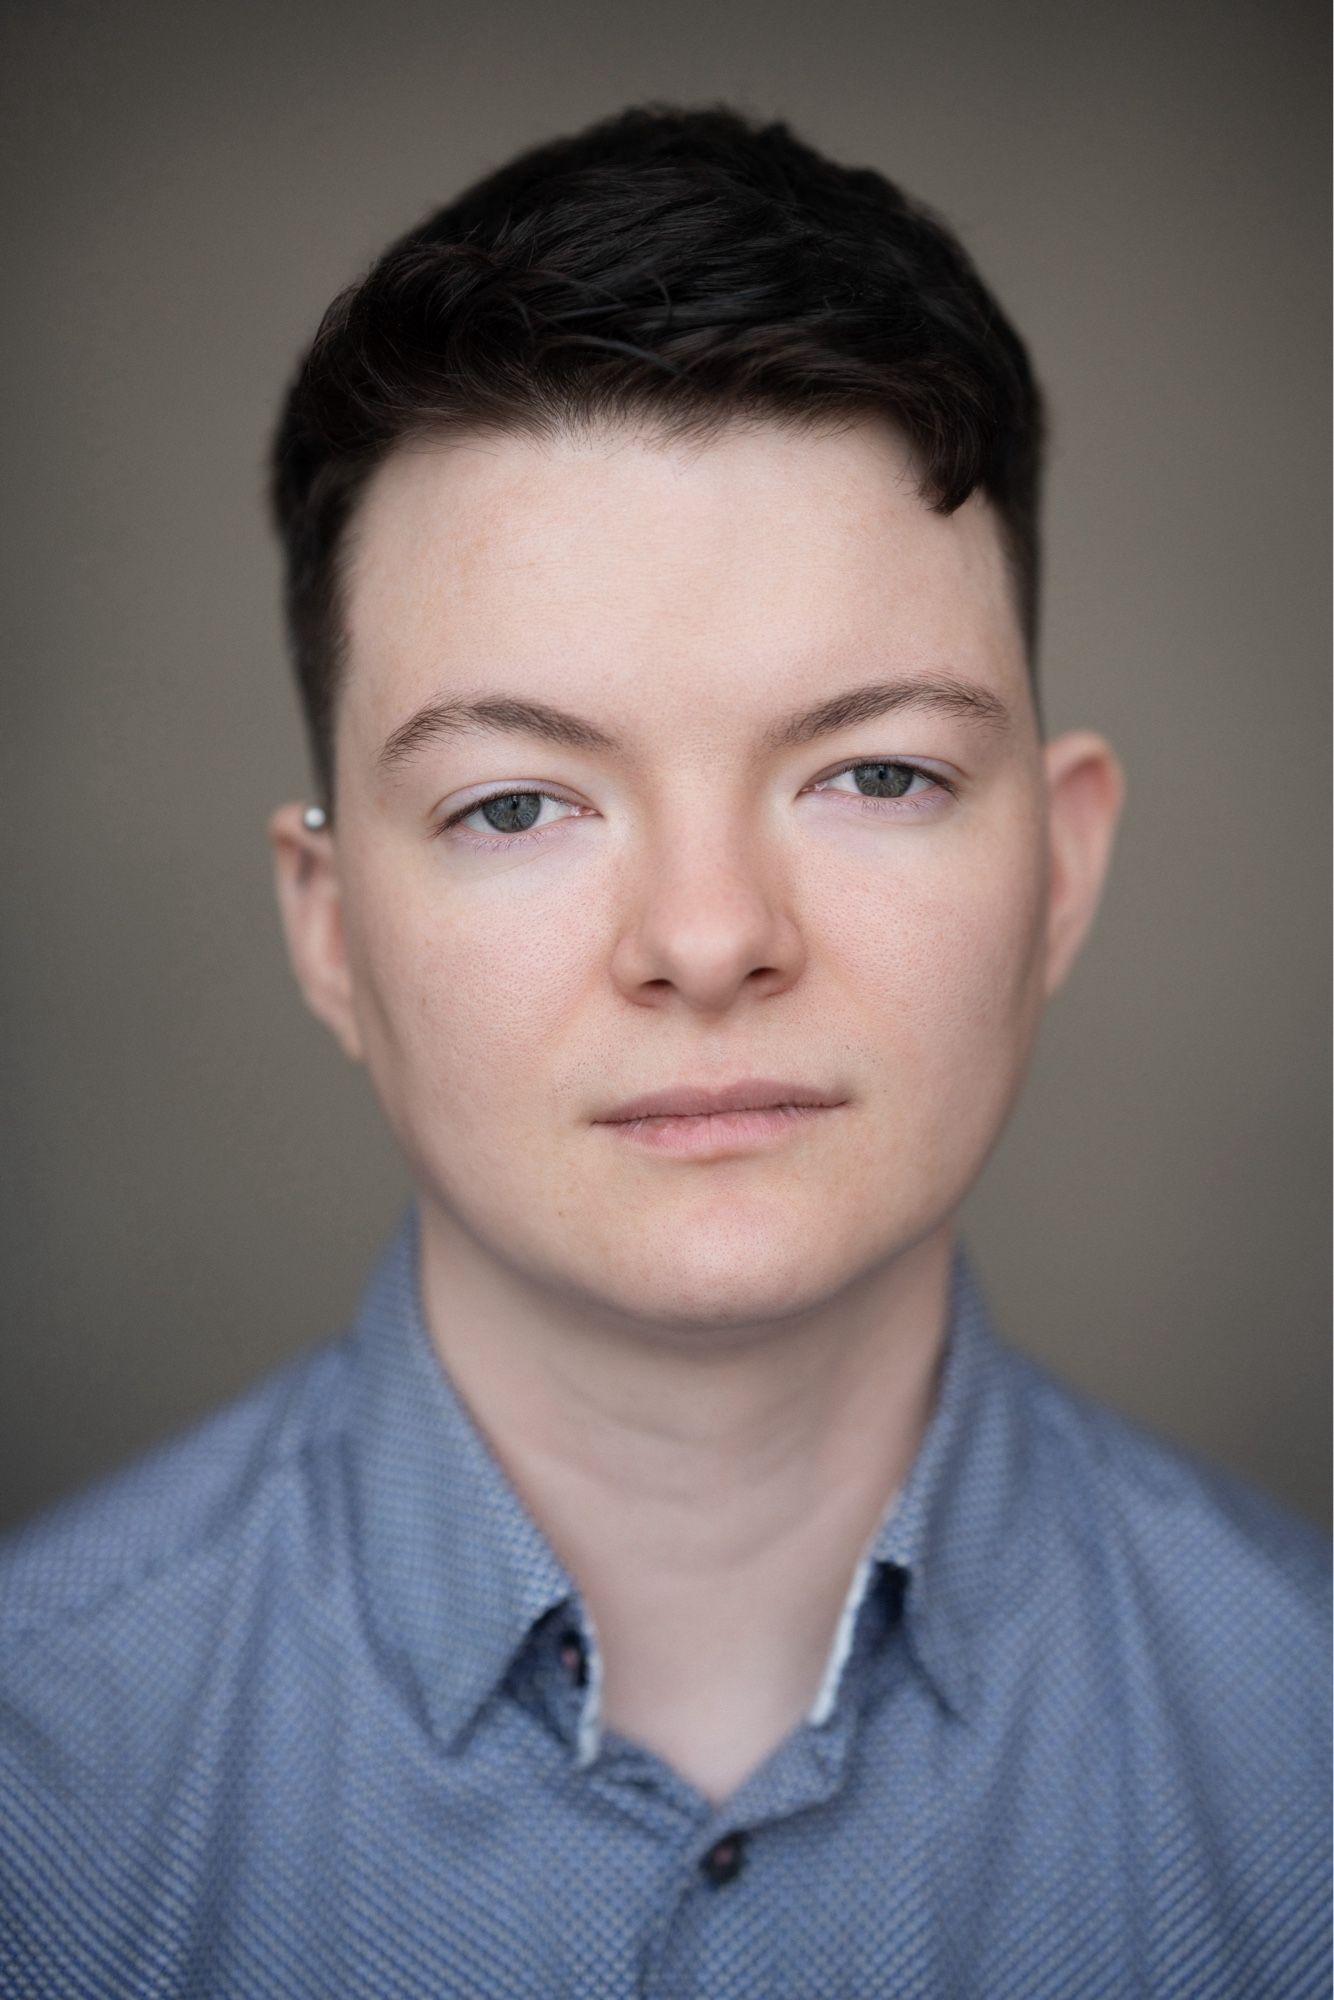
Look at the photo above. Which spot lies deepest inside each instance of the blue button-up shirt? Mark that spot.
(303, 1704)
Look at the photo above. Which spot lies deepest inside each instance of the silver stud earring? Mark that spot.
(313, 818)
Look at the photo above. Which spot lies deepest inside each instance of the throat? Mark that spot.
(714, 1687)
(716, 1741)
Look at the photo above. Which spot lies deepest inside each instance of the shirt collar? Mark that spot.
(454, 1569)
(947, 1526)
(455, 1572)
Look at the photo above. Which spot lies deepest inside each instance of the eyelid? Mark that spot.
(543, 791)
(509, 791)
(938, 776)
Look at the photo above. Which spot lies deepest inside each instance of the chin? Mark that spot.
(699, 1285)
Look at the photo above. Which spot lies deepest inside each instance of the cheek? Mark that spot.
(464, 993)
(946, 960)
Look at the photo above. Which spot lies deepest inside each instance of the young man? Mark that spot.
(671, 1585)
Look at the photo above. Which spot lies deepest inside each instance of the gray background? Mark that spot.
(195, 1181)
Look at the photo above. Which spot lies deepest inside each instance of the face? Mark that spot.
(713, 874)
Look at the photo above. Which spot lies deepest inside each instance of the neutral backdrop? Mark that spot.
(195, 1182)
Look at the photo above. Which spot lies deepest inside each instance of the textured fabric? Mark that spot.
(303, 1704)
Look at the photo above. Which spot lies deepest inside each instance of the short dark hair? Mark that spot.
(688, 267)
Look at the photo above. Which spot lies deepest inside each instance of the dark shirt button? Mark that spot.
(723, 1861)
(572, 1657)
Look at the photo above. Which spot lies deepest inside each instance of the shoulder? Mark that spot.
(173, 1507)
(1166, 1530)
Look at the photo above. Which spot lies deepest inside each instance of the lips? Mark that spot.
(695, 1101)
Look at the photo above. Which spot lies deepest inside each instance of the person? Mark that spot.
(672, 1583)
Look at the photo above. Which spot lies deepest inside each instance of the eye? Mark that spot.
(508, 815)
(880, 783)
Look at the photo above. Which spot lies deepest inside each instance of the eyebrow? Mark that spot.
(513, 714)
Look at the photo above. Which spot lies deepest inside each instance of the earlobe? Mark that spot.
(310, 902)
(1085, 794)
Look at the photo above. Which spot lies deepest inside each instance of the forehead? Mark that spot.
(627, 563)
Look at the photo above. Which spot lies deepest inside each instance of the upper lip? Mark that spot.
(755, 1093)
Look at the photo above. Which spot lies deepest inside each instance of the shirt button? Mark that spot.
(572, 1657)
(723, 1861)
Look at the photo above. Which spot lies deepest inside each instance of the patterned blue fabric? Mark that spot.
(294, 1707)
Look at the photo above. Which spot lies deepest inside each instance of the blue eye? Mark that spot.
(507, 814)
(511, 812)
(882, 783)
(885, 780)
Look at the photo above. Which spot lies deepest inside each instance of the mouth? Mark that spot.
(752, 1093)
(736, 1118)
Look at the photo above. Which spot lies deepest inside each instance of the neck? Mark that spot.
(710, 1495)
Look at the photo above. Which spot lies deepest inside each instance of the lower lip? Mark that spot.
(720, 1131)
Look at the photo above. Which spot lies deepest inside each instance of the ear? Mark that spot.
(1085, 792)
(310, 900)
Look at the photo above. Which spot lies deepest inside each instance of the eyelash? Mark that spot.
(880, 808)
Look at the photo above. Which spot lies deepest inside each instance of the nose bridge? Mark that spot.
(710, 910)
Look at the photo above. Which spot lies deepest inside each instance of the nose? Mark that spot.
(708, 921)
